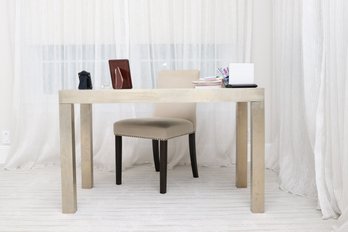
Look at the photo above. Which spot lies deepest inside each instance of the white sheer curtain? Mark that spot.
(310, 101)
(332, 132)
(290, 130)
(54, 40)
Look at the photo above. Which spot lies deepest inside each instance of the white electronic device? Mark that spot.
(241, 73)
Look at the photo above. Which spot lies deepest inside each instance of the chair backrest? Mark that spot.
(177, 79)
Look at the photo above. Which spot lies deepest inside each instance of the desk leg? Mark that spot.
(86, 146)
(241, 145)
(257, 157)
(67, 157)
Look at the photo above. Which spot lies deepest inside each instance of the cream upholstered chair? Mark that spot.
(169, 121)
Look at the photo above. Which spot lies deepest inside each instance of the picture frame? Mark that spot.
(120, 74)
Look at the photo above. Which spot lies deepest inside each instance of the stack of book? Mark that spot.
(208, 82)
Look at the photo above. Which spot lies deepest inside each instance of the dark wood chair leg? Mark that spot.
(163, 168)
(155, 154)
(192, 145)
(118, 159)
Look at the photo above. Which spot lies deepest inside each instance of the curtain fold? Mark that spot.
(309, 85)
(332, 135)
(291, 132)
(54, 40)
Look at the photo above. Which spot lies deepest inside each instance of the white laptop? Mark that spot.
(241, 73)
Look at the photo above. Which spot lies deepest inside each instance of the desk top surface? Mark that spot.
(161, 95)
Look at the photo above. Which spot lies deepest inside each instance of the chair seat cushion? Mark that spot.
(153, 128)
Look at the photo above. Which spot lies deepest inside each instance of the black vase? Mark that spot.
(85, 80)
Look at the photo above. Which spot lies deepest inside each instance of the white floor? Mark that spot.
(30, 201)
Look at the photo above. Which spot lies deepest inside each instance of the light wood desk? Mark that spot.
(67, 99)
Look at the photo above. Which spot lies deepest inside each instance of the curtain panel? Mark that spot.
(54, 40)
(309, 133)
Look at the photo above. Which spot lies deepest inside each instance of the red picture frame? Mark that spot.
(120, 74)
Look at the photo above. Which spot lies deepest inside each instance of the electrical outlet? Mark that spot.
(5, 137)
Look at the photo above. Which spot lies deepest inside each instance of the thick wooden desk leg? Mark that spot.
(241, 145)
(257, 157)
(67, 157)
(86, 146)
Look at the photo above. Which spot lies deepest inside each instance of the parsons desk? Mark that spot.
(86, 98)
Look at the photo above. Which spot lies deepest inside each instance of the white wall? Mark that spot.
(262, 41)
(6, 74)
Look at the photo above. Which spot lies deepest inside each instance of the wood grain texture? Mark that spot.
(160, 95)
(30, 202)
(67, 158)
(88, 97)
(257, 118)
(86, 130)
(242, 144)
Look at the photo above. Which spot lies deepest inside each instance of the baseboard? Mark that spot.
(4, 150)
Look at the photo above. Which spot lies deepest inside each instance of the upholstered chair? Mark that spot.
(168, 121)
